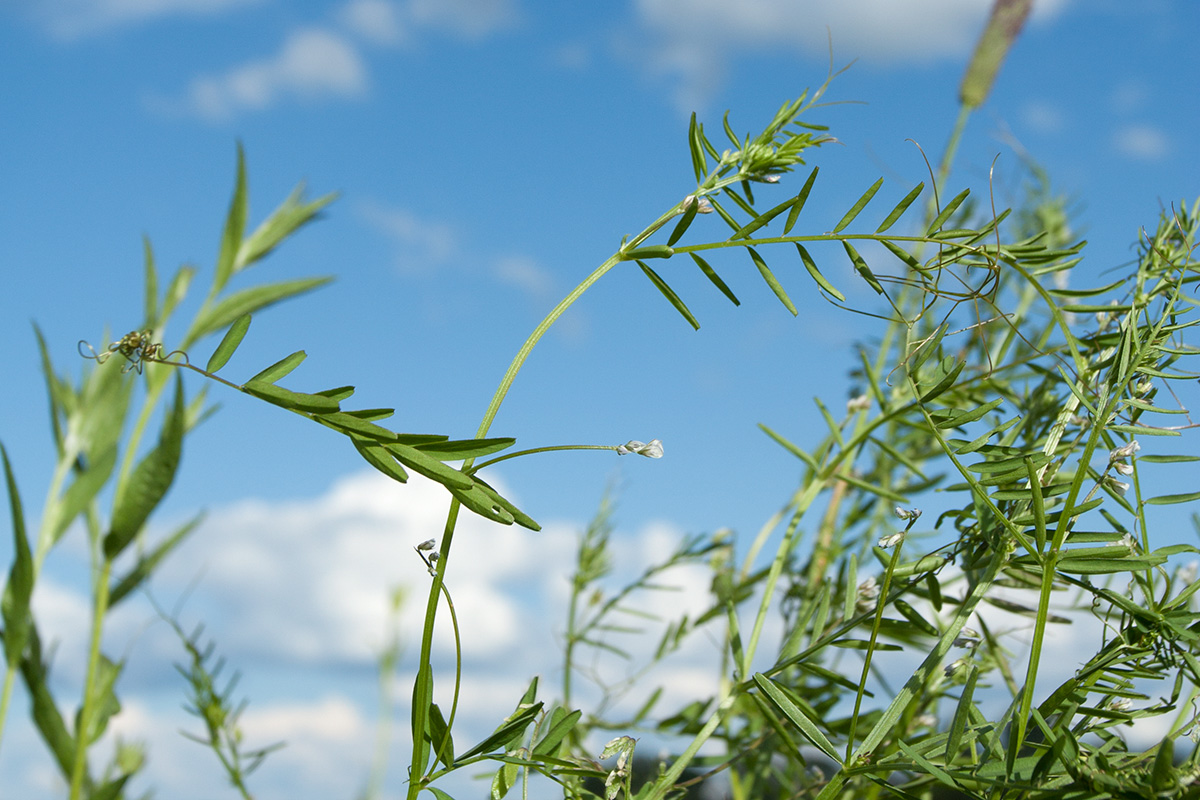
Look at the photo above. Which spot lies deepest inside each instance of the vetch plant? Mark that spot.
(1001, 414)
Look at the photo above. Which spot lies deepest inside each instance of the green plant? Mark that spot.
(991, 416)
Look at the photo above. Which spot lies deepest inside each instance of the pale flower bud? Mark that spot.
(967, 637)
(703, 205)
(428, 544)
(1124, 451)
(650, 449)
(860, 403)
(888, 542)
(868, 590)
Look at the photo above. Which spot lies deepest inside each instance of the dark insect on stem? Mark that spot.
(137, 347)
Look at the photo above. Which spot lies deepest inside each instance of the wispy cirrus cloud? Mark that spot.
(312, 64)
(692, 43)
(77, 19)
(1142, 141)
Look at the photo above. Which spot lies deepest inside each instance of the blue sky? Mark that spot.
(488, 154)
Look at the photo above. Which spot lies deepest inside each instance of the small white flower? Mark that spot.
(1124, 451)
(868, 590)
(1144, 387)
(906, 513)
(650, 449)
(1120, 704)
(951, 669)
(1187, 573)
(926, 720)
(860, 403)
(428, 544)
(1120, 487)
(967, 637)
(888, 542)
(703, 205)
(1123, 468)
(769, 179)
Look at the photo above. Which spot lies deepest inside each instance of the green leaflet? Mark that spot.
(150, 480)
(669, 293)
(14, 607)
(858, 206)
(280, 368)
(229, 343)
(295, 401)
(900, 208)
(249, 301)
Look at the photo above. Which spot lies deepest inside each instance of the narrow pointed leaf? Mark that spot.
(798, 203)
(860, 266)
(559, 729)
(669, 293)
(280, 368)
(46, 716)
(793, 712)
(14, 607)
(150, 480)
(502, 505)
(723, 214)
(696, 145)
(291, 215)
(685, 222)
(461, 449)
(339, 393)
(439, 736)
(772, 281)
(348, 423)
(378, 457)
(150, 309)
(286, 398)
(945, 383)
(235, 226)
(147, 562)
(762, 220)
(430, 467)
(900, 208)
(229, 343)
(512, 728)
(858, 206)
(54, 391)
(248, 301)
(711, 274)
(811, 266)
(177, 289)
(902, 254)
(947, 212)
(1172, 499)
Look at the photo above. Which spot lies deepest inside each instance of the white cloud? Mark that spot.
(525, 274)
(73, 19)
(1043, 117)
(312, 64)
(1142, 141)
(693, 40)
(469, 19)
(421, 244)
(377, 21)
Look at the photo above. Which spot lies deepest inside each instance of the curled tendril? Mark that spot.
(138, 347)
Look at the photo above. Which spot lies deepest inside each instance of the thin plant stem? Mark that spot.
(88, 710)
